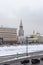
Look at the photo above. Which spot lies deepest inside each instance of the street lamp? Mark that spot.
(26, 60)
(26, 46)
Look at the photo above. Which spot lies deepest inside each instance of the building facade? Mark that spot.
(8, 35)
(41, 39)
(35, 38)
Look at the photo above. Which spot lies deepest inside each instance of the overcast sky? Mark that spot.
(30, 11)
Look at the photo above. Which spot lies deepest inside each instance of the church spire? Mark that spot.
(21, 31)
(21, 23)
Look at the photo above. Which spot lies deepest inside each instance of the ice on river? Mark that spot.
(10, 50)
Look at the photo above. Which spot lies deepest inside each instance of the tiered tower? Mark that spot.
(21, 31)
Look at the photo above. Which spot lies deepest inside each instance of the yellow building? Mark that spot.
(34, 38)
(8, 35)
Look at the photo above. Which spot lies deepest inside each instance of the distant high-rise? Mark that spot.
(21, 31)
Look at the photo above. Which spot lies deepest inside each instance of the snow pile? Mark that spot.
(10, 50)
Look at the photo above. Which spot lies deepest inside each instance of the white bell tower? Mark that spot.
(21, 31)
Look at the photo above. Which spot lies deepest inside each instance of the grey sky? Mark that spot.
(30, 11)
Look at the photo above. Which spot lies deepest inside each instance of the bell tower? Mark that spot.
(21, 31)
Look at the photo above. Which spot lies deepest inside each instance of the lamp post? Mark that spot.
(24, 62)
(26, 46)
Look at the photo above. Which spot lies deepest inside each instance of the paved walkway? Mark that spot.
(6, 58)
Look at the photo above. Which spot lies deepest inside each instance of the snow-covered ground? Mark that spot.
(10, 50)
